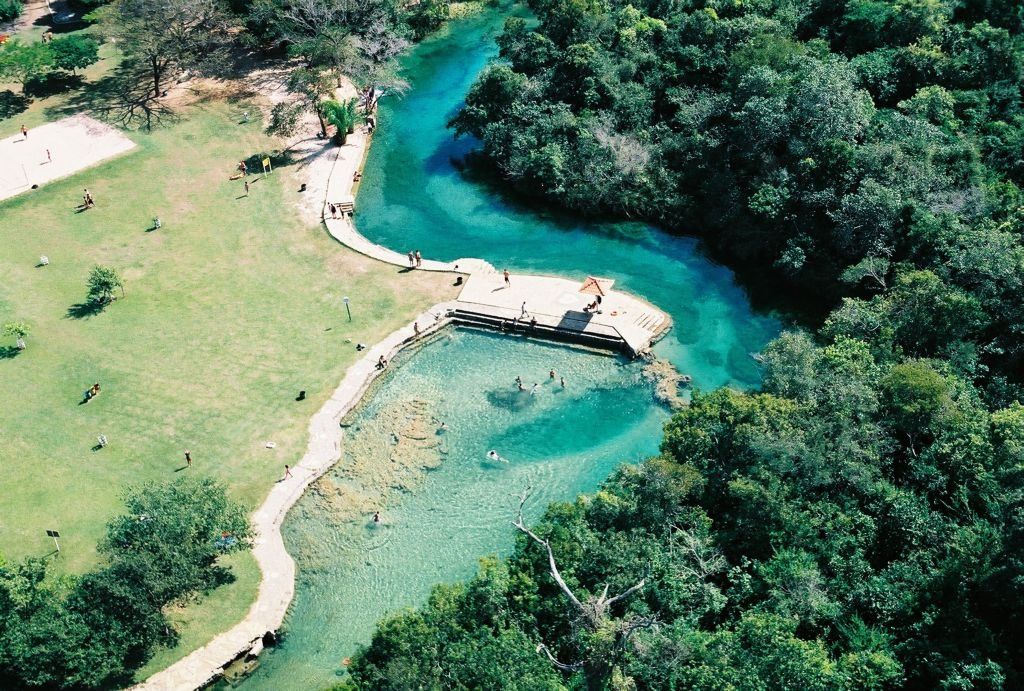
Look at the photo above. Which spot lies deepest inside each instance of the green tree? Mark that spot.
(284, 119)
(19, 330)
(173, 534)
(103, 281)
(10, 10)
(23, 62)
(74, 52)
(915, 393)
(343, 115)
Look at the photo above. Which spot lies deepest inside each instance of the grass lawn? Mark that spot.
(231, 308)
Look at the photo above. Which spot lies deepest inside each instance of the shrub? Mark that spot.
(10, 9)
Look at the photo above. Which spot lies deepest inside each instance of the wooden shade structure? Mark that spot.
(597, 286)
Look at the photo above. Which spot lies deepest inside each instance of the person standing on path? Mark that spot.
(49, 158)
(287, 473)
(416, 328)
(412, 260)
(188, 458)
(419, 259)
(523, 313)
(508, 283)
(24, 132)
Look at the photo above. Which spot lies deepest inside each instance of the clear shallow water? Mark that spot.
(414, 196)
(559, 442)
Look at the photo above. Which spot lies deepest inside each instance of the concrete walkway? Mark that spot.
(554, 302)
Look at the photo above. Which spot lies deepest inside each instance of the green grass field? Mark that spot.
(231, 308)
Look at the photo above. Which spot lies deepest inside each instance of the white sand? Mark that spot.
(75, 143)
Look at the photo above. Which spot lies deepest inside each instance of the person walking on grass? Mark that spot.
(247, 188)
(508, 283)
(188, 458)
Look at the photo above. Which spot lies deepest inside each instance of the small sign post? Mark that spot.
(347, 308)
(267, 168)
(54, 534)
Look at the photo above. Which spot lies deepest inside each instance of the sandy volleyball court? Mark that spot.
(74, 143)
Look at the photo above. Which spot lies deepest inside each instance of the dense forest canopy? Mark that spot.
(828, 143)
(858, 523)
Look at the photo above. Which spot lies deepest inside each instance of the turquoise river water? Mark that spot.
(443, 504)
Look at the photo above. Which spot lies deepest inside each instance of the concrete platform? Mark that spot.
(557, 305)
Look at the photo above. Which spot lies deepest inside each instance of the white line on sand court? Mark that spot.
(73, 143)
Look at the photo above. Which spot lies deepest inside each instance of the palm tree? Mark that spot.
(343, 115)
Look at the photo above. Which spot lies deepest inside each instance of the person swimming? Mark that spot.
(493, 456)
(376, 517)
(519, 383)
(533, 391)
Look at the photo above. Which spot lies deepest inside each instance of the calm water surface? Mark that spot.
(560, 442)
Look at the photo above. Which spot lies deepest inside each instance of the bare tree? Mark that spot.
(314, 86)
(607, 636)
(166, 37)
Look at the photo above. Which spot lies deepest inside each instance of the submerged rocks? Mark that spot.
(392, 450)
(668, 383)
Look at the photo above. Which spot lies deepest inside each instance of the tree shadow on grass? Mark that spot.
(9, 352)
(53, 83)
(12, 104)
(123, 97)
(84, 310)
